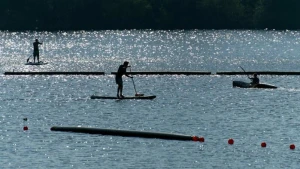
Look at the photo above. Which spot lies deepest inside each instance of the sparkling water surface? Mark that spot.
(204, 106)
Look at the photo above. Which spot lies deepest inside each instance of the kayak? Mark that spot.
(242, 84)
(131, 97)
(36, 63)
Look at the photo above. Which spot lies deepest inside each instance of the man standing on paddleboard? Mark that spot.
(36, 52)
(119, 80)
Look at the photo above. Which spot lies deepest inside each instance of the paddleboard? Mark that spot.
(130, 97)
(36, 63)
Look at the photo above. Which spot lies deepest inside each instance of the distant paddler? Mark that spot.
(36, 52)
(119, 80)
(254, 80)
(253, 84)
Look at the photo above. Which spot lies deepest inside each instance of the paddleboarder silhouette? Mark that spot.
(119, 80)
(254, 79)
(36, 53)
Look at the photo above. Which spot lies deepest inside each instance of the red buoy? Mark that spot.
(25, 128)
(195, 138)
(230, 141)
(201, 139)
(292, 146)
(263, 144)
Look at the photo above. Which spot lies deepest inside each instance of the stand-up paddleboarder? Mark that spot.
(36, 53)
(119, 80)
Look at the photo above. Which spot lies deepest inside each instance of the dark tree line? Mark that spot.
(55, 15)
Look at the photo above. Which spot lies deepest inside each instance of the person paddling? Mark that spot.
(119, 80)
(254, 79)
(36, 53)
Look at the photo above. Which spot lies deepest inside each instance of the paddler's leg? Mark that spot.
(121, 91)
(118, 96)
(120, 86)
(34, 54)
(38, 57)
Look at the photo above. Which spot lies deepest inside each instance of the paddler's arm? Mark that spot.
(126, 74)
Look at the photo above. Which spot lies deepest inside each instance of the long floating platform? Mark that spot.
(259, 73)
(126, 133)
(54, 73)
(167, 73)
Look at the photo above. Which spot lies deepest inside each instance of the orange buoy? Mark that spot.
(230, 141)
(201, 139)
(292, 146)
(263, 144)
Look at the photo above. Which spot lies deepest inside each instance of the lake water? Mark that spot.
(204, 106)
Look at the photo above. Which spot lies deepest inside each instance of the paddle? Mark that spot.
(29, 58)
(245, 72)
(136, 94)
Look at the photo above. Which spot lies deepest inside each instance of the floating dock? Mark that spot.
(126, 133)
(54, 73)
(167, 73)
(259, 73)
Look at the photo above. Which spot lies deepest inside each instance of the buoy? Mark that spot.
(263, 144)
(292, 146)
(201, 139)
(230, 141)
(25, 128)
(195, 138)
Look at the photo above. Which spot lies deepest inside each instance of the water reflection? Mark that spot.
(148, 50)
